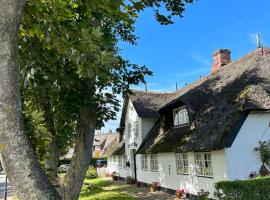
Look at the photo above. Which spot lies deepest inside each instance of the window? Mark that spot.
(144, 162)
(120, 162)
(203, 161)
(182, 163)
(125, 161)
(180, 116)
(97, 148)
(153, 162)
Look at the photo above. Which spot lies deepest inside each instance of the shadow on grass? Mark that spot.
(100, 189)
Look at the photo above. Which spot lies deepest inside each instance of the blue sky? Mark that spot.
(182, 52)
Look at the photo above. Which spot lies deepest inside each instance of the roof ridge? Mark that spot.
(153, 92)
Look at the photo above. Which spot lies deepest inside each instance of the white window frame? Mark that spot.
(153, 162)
(180, 116)
(182, 163)
(120, 162)
(144, 160)
(125, 162)
(204, 164)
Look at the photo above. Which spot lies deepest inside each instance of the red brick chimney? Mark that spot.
(221, 57)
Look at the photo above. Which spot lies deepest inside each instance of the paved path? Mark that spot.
(2, 187)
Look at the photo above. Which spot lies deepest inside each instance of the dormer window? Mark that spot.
(180, 116)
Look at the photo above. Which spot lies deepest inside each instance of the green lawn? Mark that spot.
(101, 189)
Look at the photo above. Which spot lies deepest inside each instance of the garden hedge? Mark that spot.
(252, 189)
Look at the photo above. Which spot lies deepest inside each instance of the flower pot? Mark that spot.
(115, 178)
(178, 195)
(153, 187)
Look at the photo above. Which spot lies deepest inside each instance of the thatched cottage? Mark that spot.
(201, 134)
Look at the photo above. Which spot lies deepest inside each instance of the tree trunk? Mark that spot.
(51, 161)
(17, 156)
(82, 155)
(52, 156)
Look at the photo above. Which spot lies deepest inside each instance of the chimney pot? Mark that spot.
(220, 58)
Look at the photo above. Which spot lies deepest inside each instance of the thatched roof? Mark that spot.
(119, 149)
(146, 104)
(109, 144)
(217, 106)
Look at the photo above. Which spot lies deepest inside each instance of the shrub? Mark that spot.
(264, 150)
(203, 195)
(91, 173)
(252, 189)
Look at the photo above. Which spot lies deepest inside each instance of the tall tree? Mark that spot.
(84, 39)
(17, 157)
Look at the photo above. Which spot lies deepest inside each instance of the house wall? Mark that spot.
(241, 156)
(113, 166)
(168, 177)
(144, 126)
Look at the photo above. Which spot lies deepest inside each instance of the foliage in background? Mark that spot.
(91, 173)
(243, 189)
(264, 150)
(35, 128)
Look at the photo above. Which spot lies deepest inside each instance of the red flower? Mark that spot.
(180, 190)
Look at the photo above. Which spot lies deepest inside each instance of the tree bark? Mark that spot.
(17, 156)
(82, 155)
(51, 160)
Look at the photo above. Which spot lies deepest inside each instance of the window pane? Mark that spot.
(182, 163)
(120, 161)
(153, 163)
(199, 164)
(180, 116)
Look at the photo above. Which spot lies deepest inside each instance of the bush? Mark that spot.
(252, 189)
(91, 173)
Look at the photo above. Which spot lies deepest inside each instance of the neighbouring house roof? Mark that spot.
(107, 143)
(217, 105)
(110, 143)
(119, 149)
(100, 139)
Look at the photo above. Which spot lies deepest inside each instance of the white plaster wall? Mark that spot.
(168, 178)
(242, 158)
(146, 125)
(114, 167)
(111, 165)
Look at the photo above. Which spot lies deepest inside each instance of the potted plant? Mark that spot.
(114, 176)
(153, 186)
(203, 195)
(179, 193)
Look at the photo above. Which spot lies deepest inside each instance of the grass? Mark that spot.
(102, 189)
